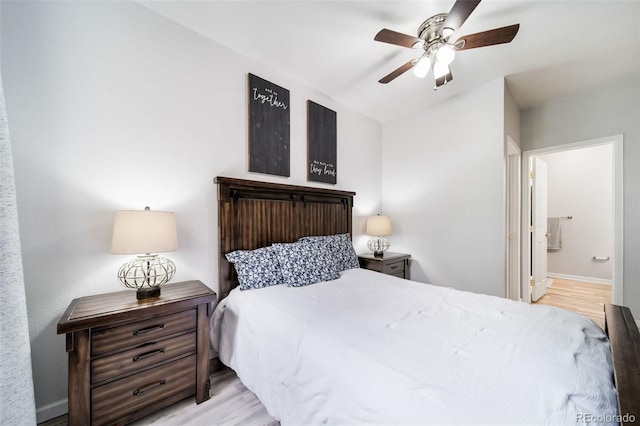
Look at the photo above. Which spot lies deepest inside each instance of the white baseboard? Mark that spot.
(51, 411)
(579, 278)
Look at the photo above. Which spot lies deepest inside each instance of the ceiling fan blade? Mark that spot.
(459, 13)
(444, 79)
(398, 72)
(399, 39)
(487, 38)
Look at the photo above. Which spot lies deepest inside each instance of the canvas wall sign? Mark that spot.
(321, 144)
(269, 131)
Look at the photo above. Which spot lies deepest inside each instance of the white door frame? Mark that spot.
(618, 225)
(513, 214)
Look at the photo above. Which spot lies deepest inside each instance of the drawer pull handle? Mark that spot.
(148, 330)
(394, 267)
(150, 386)
(148, 354)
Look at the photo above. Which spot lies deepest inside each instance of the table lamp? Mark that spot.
(144, 232)
(379, 226)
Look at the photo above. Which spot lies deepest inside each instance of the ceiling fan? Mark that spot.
(433, 39)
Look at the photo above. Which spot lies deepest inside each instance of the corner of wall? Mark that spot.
(511, 116)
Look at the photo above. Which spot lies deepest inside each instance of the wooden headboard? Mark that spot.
(254, 214)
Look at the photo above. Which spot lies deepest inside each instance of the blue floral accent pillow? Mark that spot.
(256, 268)
(305, 262)
(341, 248)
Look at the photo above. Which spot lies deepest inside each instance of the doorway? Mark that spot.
(614, 143)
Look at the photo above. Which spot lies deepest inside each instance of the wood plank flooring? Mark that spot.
(582, 297)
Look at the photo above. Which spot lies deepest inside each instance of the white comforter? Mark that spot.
(369, 348)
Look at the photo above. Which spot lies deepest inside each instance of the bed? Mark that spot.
(367, 348)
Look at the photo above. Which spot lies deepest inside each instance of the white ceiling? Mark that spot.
(562, 46)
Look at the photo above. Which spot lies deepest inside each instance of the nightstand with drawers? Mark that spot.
(129, 357)
(396, 264)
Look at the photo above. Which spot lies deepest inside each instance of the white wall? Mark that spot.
(599, 113)
(443, 187)
(511, 116)
(114, 107)
(580, 184)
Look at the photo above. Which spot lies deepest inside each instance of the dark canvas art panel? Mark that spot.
(321, 141)
(269, 133)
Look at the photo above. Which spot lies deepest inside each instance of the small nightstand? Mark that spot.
(396, 264)
(128, 358)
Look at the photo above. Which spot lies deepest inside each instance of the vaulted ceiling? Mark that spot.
(563, 46)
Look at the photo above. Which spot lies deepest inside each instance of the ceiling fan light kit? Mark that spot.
(422, 67)
(445, 54)
(433, 38)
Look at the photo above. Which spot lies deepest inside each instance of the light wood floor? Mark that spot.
(585, 298)
(231, 404)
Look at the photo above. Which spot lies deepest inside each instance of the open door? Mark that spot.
(538, 279)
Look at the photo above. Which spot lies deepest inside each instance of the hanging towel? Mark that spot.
(554, 241)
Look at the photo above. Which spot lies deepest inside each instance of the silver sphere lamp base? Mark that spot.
(378, 246)
(146, 273)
